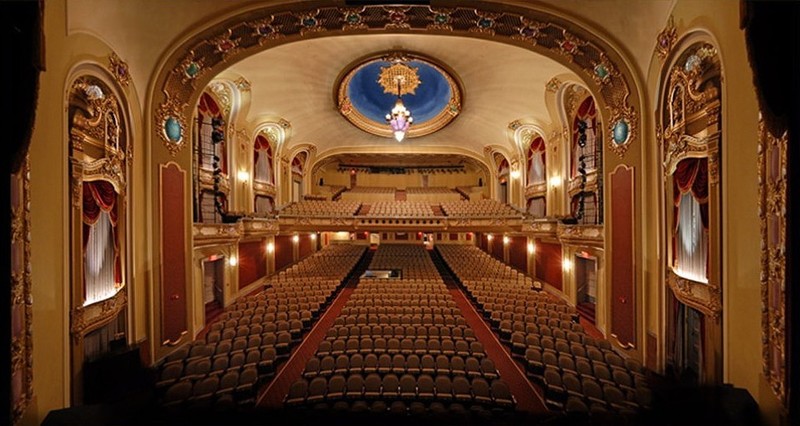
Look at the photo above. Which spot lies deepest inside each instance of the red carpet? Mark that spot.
(528, 396)
(291, 370)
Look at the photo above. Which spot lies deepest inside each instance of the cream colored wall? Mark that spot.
(741, 263)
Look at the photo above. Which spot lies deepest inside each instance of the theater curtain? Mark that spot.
(690, 213)
(536, 162)
(262, 160)
(102, 266)
(537, 207)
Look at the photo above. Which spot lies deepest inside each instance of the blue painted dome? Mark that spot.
(363, 101)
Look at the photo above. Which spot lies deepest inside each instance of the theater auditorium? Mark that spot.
(410, 212)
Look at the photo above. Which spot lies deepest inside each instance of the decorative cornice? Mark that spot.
(581, 234)
(241, 35)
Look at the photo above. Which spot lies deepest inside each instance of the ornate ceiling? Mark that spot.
(501, 83)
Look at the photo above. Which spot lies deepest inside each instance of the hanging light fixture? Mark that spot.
(400, 118)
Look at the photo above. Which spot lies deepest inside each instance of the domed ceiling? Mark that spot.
(370, 89)
(298, 82)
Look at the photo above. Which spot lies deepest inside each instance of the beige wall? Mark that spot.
(333, 177)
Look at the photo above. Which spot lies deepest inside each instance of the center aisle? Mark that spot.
(273, 396)
(528, 397)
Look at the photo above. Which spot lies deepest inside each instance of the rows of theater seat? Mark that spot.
(431, 195)
(321, 208)
(479, 208)
(400, 209)
(242, 347)
(578, 373)
(401, 345)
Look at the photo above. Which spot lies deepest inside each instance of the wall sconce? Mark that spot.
(514, 174)
(506, 239)
(243, 176)
(566, 264)
(531, 248)
(233, 261)
(555, 181)
(296, 239)
(270, 247)
(490, 237)
(313, 236)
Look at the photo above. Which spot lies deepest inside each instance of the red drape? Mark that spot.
(691, 175)
(100, 196)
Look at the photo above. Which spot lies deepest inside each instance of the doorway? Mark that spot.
(586, 283)
(213, 284)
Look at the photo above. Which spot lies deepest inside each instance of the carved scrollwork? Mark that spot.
(85, 319)
(772, 164)
(706, 298)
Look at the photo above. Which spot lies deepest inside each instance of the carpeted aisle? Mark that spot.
(291, 370)
(527, 395)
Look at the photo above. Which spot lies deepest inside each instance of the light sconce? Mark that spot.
(514, 174)
(243, 176)
(506, 240)
(233, 261)
(296, 239)
(270, 247)
(555, 181)
(531, 248)
(490, 237)
(566, 264)
(313, 236)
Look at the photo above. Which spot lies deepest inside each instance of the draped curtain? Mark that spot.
(262, 160)
(537, 207)
(102, 266)
(536, 162)
(690, 213)
(263, 204)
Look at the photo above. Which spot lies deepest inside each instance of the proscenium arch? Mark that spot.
(212, 49)
(244, 33)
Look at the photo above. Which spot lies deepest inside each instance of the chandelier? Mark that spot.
(400, 118)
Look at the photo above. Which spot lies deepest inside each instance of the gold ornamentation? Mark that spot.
(189, 69)
(21, 359)
(397, 18)
(485, 22)
(442, 19)
(772, 166)
(264, 30)
(353, 20)
(665, 40)
(529, 30)
(224, 44)
(706, 298)
(399, 76)
(119, 69)
(309, 23)
(629, 116)
(85, 319)
(171, 108)
(553, 85)
(514, 125)
(242, 84)
(223, 94)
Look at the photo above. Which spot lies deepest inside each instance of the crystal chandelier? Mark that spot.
(400, 118)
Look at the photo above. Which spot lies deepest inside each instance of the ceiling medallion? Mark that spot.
(371, 87)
